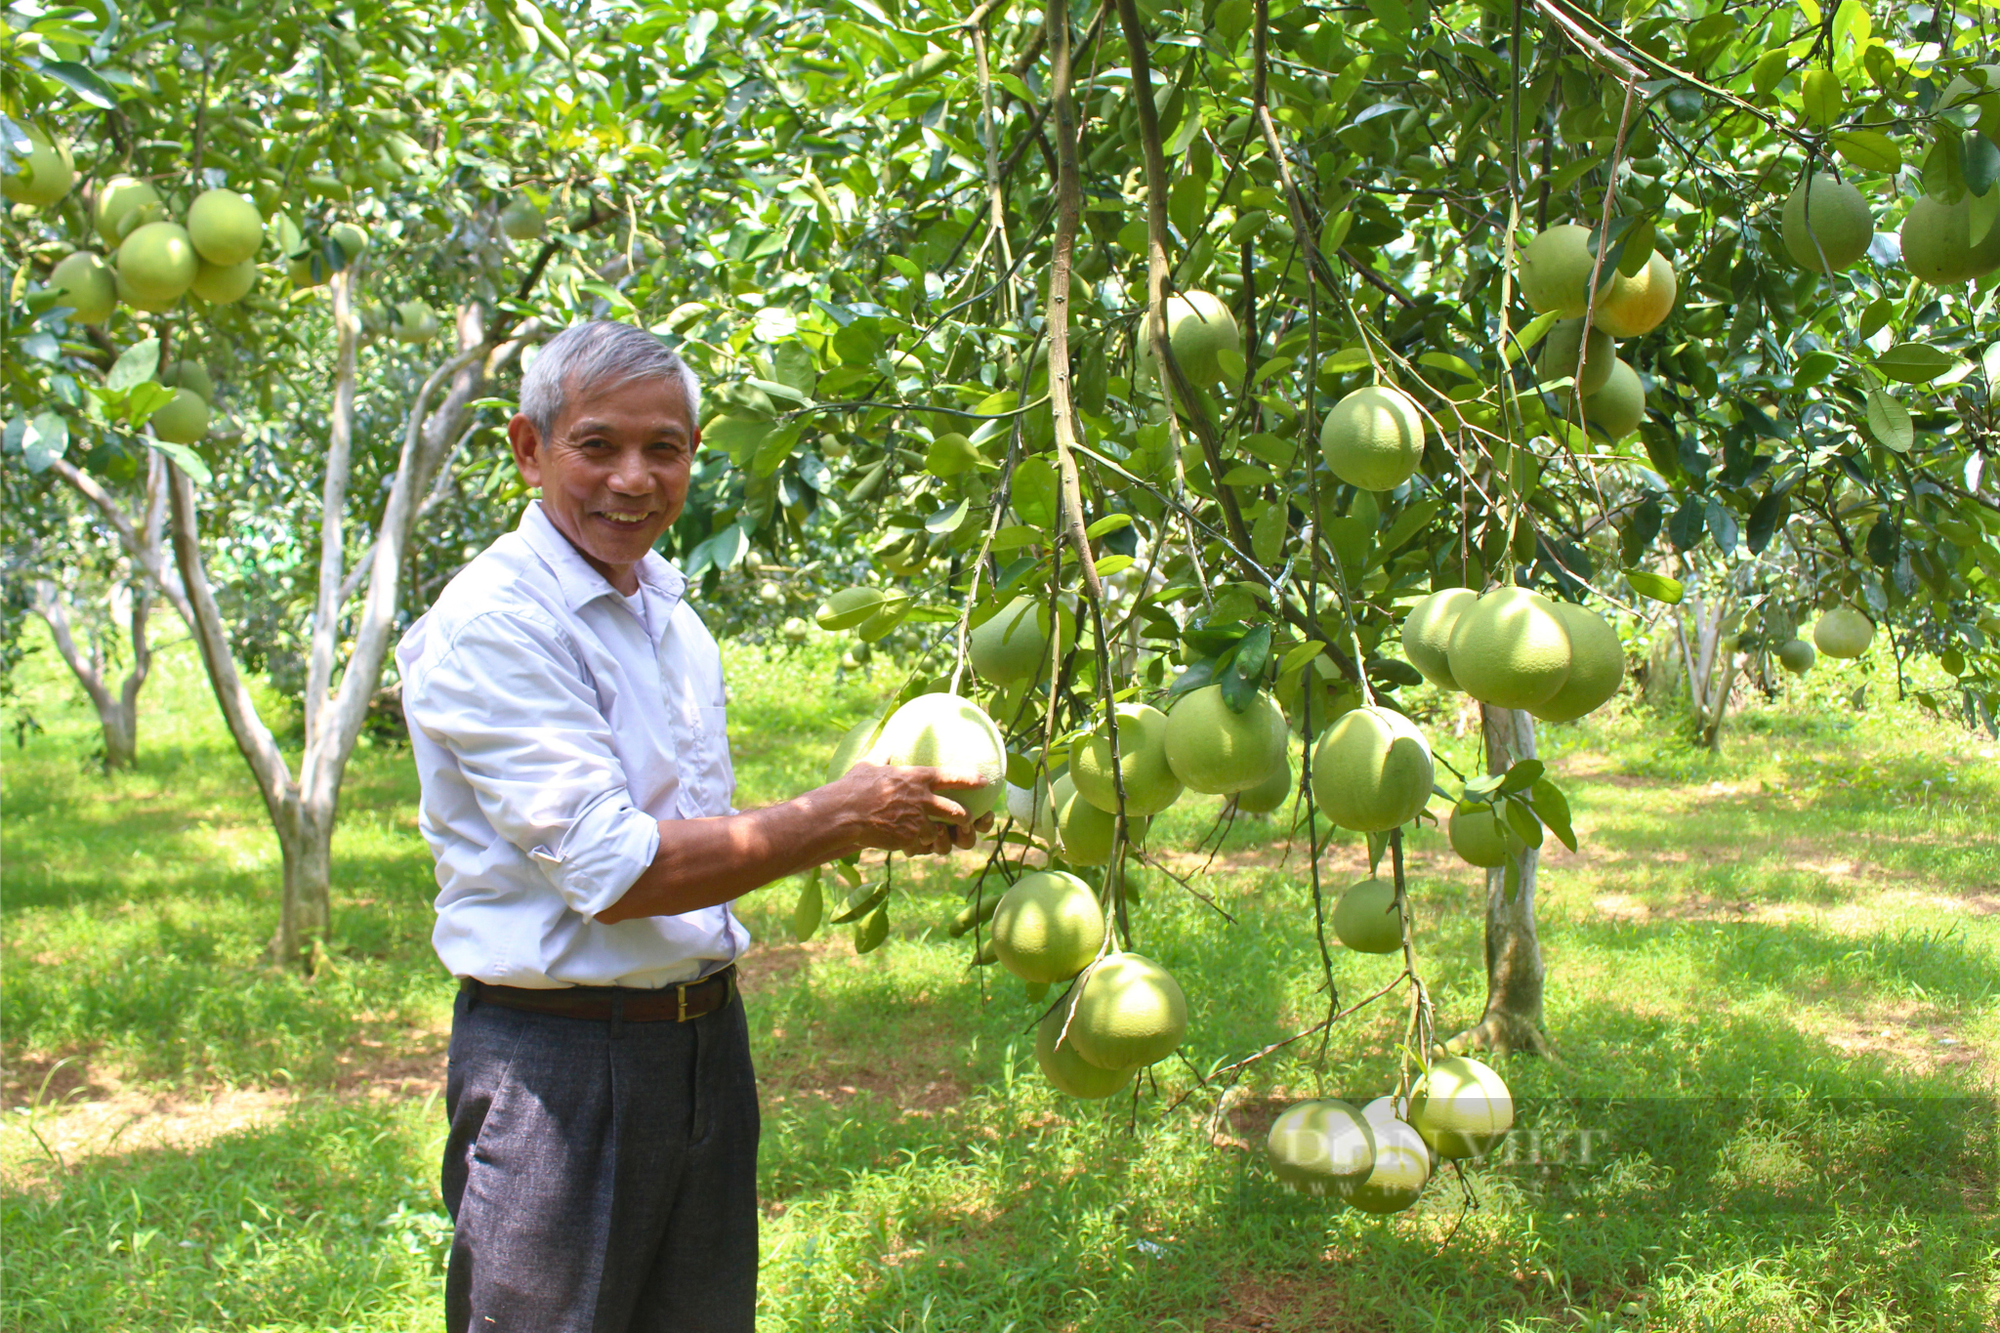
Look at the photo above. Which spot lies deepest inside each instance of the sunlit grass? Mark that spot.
(1812, 916)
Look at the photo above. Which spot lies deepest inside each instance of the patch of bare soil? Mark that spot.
(1282, 1303)
(1903, 1031)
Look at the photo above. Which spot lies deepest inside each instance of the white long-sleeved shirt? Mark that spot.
(553, 727)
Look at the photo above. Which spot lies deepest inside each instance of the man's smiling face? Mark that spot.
(613, 471)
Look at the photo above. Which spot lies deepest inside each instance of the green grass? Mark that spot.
(1737, 932)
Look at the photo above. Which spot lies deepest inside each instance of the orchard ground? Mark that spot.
(1774, 984)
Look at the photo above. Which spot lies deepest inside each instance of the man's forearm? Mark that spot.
(704, 862)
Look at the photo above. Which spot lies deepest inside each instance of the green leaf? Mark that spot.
(808, 910)
(775, 449)
(1108, 524)
(1657, 587)
(1915, 363)
(948, 519)
(1298, 655)
(1113, 564)
(1769, 71)
(777, 390)
(1532, 333)
(869, 934)
(1522, 820)
(45, 440)
(135, 365)
(1867, 150)
(1349, 358)
(1553, 808)
(1523, 775)
(1638, 247)
(861, 901)
(186, 459)
(1333, 234)
(1875, 318)
(1889, 422)
(83, 81)
(1979, 163)
(1822, 97)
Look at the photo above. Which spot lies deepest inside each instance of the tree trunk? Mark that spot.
(305, 913)
(117, 714)
(1514, 974)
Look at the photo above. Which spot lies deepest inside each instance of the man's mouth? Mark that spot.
(628, 520)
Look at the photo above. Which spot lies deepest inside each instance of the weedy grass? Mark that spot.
(1772, 987)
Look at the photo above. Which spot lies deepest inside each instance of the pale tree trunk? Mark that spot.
(304, 805)
(1514, 973)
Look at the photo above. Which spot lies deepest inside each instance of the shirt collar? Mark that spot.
(580, 584)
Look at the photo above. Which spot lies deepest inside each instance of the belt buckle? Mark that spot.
(681, 996)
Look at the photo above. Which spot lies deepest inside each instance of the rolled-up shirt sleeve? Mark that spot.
(512, 702)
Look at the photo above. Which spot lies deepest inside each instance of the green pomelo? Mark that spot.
(1318, 1147)
(849, 607)
(1796, 656)
(225, 227)
(1559, 353)
(1366, 919)
(1619, 407)
(522, 221)
(88, 287)
(1555, 270)
(158, 262)
(219, 285)
(1014, 643)
(1214, 750)
(307, 270)
(1198, 326)
(1068, 1071)
(1837, 217)
(1461, 1108)
(415, 322)
(1481, 836)
(40, 176)
(945, 731)
(1937, 243)
(351, 239)
(1084, 831)
(182, 419)
(1129, 1012)
(128, 296)
(1372, 770)
(1636, 306)
(124, 204)
(951, 454)
(1510, 649)
(1150, 784)
(1402, 1169)
(852, 746)
(795, 629)
(1048, 927)
(1269, 794)
(1033, 808)
(1373, 438)
(1596, 666)
(189, 375)
(1427, 633)
(1843, 632)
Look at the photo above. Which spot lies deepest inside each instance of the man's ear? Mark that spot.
(525, 441)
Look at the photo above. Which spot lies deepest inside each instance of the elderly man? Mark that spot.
(566, 711)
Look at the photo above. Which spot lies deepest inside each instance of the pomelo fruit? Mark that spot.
(1373, 438)
(307, 269)
(853, 744)
(1366, 919)
(1843, 632)
(1317, 1147)
(1033, 808)
(1937, 243)
(124, 204)
(1150, 784)
(351, 239)
(1269, 794)
(41, 175)
(1402, 1164)
(1796, 656)
(1048, 926)
(1014, 643)
(182, 419)
(1510, 649)
(1212, 749)
(1596, 666)
(1555, 270)
(87, 285)
(220, 285)
(1427, 633)
(1461, 1108)
(795, 629)
(1085, 832)
(224, 227)
(128, 296)
(189, 375)
(1069, 1071)
(1372, 770)
(415, 322)
(1198, 326)
(1637, 305)
(946, 731)
(1129, 1012)
(522, 221)
(1838, 218)
(1619, 407)
(158, 262)
(1559, 353)
(1481, 836)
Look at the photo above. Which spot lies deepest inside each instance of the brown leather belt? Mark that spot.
(675, 1004)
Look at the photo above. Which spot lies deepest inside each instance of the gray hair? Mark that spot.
(594, 354)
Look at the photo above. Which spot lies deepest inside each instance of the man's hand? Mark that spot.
(899, 808)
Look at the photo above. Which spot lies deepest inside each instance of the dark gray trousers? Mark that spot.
(601, 1176)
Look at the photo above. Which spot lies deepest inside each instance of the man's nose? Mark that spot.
(630, 475)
